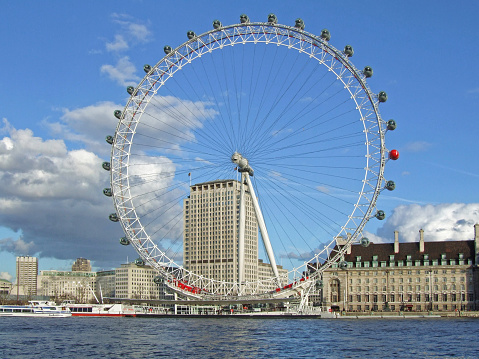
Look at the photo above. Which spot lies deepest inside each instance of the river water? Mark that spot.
(228, 337)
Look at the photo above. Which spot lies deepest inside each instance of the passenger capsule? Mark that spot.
(147, 68)
(191, 34)
(244, 19)
(106, 166)
(299, 23)
(391, 125)
(124, 241)
(348, 50)
(109, 139)
(139, 262)
(364, 242)
(382, 96)
(167, 49)
(272, 19)
(380, 215)
(217, 24)
(343, 264)
(117, 114)
(325, 34)
(107, 192)
(368, 71)
(113, 217)
(390, 185)
(130, 90)
(393, 155)
(158, 279)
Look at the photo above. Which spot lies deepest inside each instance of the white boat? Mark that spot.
(100, 310)
(35, 308)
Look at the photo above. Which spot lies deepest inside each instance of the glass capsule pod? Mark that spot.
(147, 68)
(390, 185)
(393, 155)
(124, 241)
(325, 34)
(139, 262)
(272, 19)
(368, 71)
(130, 90)
(348, 50)
(244, 19)
(217, 24)
(191, 34)
(167, 49)
(380, 215)
(364, 242)
(299, 23)
(113, 217)
(117, 114)
(382, 96)
(107, 192)
(106, 166)
(391, 125)
(109, 139)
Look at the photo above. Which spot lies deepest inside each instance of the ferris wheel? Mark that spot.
(281, 118)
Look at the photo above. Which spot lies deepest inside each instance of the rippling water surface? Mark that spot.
(238, 338)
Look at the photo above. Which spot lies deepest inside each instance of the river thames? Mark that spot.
(238, 338)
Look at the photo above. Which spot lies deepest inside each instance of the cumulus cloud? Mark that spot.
(441, 222)
(118, 44)
(53, 195)
(6, 276)
(18, 247)
(122, 73)
(88, 125)
(132, 28)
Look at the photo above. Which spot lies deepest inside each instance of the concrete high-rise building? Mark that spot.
(210, 240)
(27, 272)
(81, 265)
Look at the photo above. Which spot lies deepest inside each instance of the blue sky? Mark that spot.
(65, 66)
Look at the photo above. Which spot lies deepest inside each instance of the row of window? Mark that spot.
(391, 298)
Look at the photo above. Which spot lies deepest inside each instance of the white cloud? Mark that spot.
(418, 146)
(6, 276)
(441, 222)
(139, 31)
(88, 125)
(132, 27)
(123, 72)
(119, 44)
(53, 195)
(18, 247)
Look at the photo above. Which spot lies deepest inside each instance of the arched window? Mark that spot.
(335, 290)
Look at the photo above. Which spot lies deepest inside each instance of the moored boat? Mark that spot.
(100, 310)
(35, 309)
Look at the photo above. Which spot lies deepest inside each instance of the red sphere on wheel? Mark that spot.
(394, 155)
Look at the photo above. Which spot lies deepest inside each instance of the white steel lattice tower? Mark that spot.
(210, 241)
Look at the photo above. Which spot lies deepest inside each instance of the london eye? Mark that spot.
(281, 117)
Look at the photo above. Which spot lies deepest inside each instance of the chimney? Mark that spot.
(421, 241)
(396, 242)
(476, 241)
(349, 248)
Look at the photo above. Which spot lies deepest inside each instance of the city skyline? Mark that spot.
(53, 123)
